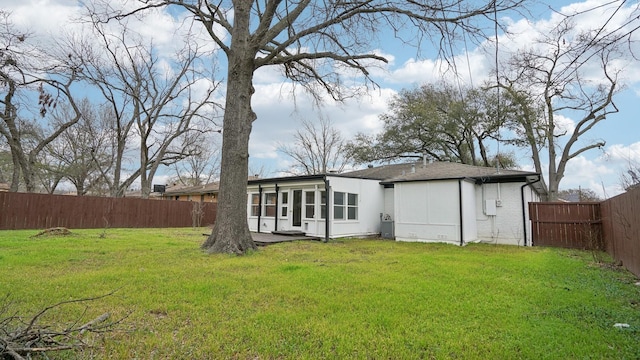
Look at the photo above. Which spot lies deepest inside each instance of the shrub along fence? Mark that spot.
(41, 211)
(612, 225)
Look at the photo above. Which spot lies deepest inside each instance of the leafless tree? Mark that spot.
(548, 80)
(578, 194)
(32, 82)
(155, 108)
(316, 149)
(6, 166)
(630, 177)
(257, 172)
(202, 167)
(314, 43)
(79, 152)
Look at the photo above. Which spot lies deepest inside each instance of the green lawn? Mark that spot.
(365, 299)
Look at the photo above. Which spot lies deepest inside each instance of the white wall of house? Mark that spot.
(427, 211)
(284, 212)
(529, 196)
(370, 206)
(388, 209)
(499, 213)
(469, 224)
(359, 219)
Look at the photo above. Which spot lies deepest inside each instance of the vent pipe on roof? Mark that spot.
(424, 160)
(413, 168)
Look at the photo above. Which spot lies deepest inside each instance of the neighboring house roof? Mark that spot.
(193, 190)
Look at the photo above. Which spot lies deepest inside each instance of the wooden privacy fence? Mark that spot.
(41, 211)
(567, 225)
(612, 225)
(621, 227)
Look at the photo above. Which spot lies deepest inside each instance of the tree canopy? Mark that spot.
(440, 121)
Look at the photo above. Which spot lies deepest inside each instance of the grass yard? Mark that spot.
(362, 299)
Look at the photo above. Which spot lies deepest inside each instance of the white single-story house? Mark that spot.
(427, 202)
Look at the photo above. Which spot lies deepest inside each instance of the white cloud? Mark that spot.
(414, 72)
(621, 154)
(595, 174)
(564, 124)
(44, 17)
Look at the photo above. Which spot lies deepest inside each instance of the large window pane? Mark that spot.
(345, 206)
(352, 213)
(338, 205)
(285, 205)
(338, 212)
(352, 207)
(309, 209)
(255, 207)
(323, 204)
(270, 204)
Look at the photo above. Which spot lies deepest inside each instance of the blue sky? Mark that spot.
(279, 116)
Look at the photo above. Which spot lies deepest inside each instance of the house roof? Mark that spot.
(284, 179)
(193, 190)
(418, 171)
(436, 171)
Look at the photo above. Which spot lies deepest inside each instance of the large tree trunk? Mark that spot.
(231, 232)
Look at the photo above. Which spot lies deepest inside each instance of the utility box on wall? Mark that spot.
(490, 208)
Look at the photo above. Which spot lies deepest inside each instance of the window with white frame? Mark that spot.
(352, 206)
(345, 206)
(284, 209)
(270, 204)
(310, 204)
(255, 204)
(323, 204)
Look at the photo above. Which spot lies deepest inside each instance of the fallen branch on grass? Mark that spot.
(56, 231)
(22, 337)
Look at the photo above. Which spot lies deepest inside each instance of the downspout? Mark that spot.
(277, 210)
(460, 205)
(327, 201)
(259, 206)
(524, 217)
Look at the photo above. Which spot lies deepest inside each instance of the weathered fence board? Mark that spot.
(40, 211)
